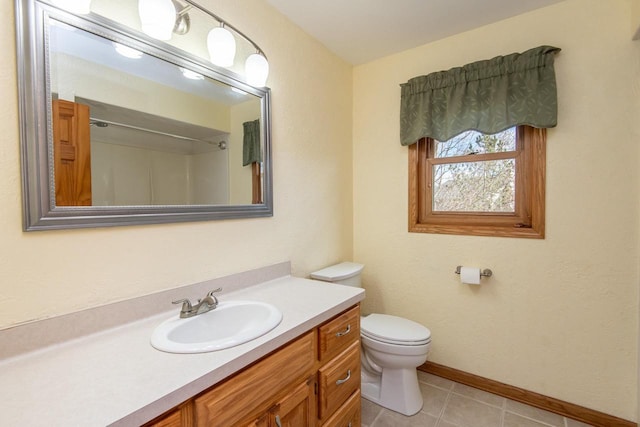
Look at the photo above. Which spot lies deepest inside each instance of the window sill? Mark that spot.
(479, 230)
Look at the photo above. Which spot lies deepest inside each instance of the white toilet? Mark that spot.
(392, 349)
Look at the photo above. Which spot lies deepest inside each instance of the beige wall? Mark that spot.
(560, 315)
(635, 19)
(53, 272)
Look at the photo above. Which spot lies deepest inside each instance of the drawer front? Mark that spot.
(249, 391)
(339, 379)
(348, 415)
(340, 332)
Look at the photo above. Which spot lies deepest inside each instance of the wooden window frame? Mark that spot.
(528, 219)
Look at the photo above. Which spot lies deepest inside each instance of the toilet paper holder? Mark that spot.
(484, 273)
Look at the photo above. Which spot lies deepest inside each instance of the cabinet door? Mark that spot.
(253, 390)
(180, 417)
(262, 421)
(296, 409)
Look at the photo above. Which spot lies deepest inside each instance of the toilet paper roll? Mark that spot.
(470, 275)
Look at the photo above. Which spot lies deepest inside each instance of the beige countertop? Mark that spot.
(115, 376)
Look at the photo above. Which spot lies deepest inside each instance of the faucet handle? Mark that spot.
(186, 304)
(212, 298)
(210, 294)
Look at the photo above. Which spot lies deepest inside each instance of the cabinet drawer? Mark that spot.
(348, 415)
(339, 333)
(249, 391)
(339, 379)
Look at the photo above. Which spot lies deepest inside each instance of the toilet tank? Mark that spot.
(345, 273)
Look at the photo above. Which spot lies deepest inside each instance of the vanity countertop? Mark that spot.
(115, 377)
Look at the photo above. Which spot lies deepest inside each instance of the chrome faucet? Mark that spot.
(208, 303)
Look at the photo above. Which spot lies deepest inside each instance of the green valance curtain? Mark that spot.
(488, 96)
(251, 143)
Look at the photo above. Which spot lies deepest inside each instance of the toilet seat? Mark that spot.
(394, 330)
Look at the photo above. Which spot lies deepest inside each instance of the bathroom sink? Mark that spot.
(231, 323)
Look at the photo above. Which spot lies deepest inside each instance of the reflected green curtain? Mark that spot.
(488, 96)
(251, 143)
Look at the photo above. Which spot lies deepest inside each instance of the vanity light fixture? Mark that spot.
(192, 75)
(81, 7)
(126, 51)
(256, 69)
(256, 66)
(162, 18)
(158, 18)
(222, 46)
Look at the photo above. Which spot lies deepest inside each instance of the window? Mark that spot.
(479, 184)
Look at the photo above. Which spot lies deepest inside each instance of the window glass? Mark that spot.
(473, 142)
(485, 186)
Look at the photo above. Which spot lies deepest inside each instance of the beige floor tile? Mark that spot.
(393, 419)
(434, 399)
(435, 380)
(483, 396)
(449, 404)
(369, 412)
(535, 413)
(513, 420)
(466, 412)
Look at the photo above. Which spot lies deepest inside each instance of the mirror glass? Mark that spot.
(138, 131)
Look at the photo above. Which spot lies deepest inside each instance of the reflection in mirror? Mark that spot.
(159, 134)
(139, 131)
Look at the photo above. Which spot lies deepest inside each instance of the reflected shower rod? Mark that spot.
(103, 123)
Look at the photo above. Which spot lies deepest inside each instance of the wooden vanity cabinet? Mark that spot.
(182, 416)
(339, 371)
(298, 408)
(312, 381)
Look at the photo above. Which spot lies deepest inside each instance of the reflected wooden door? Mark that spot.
(256, 183)
(72, 153)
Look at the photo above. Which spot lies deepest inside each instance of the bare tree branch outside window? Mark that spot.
(475, 186)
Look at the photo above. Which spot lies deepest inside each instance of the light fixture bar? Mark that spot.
(226, 24)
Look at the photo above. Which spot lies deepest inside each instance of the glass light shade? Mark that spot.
(221, 46)
(256, 69)
(158, 17)
(81, 7)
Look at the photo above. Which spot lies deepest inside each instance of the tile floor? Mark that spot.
(449, 404)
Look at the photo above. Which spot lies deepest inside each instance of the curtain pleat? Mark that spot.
(488, 96)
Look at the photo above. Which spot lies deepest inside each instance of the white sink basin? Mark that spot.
(231, 323)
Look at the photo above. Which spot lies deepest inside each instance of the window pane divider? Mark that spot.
(470, 158)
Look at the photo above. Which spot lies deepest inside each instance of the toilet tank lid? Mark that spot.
(338, 272)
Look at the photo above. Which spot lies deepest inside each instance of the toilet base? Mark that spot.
(396, 389)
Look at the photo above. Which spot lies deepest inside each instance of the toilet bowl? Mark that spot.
(392, 348)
